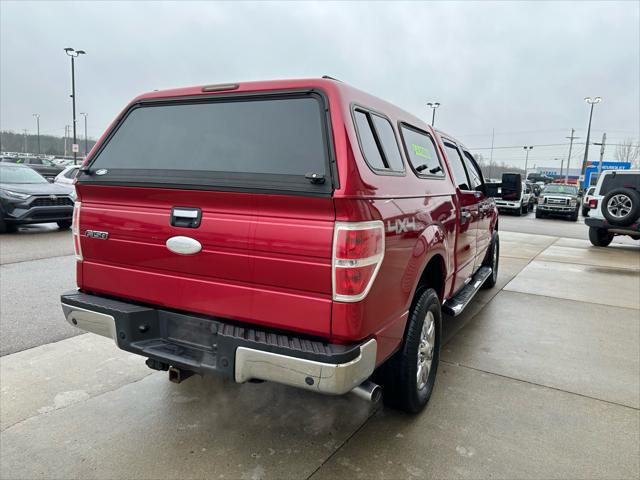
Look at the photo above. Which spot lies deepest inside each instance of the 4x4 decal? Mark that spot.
(401, 225)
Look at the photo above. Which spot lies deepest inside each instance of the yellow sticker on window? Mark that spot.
(421, 151)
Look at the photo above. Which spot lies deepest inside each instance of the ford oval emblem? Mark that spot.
(183, 245)
(102, 171)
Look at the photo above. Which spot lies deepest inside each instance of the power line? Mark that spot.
(542, 145)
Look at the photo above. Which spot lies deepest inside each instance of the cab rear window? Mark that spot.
(270, 143)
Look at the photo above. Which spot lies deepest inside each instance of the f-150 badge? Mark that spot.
(96, 234)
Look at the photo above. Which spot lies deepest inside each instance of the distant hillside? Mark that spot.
(49, 144)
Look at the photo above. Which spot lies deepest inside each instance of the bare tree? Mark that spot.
(626, 151)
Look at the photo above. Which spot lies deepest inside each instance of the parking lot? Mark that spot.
(540, 378)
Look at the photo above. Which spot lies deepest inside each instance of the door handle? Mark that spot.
(186, 217)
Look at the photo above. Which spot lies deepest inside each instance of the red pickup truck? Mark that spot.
(297, 231)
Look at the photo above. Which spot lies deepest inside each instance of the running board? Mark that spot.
(455, 305)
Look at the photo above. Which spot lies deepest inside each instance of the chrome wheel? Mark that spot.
(426, 349)
(619, 206)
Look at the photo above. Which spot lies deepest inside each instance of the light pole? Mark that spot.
(526, 161)
(561, 165)
(433, 106)
(85, 132)
(37, 115)
(73, 54)
(592, 102)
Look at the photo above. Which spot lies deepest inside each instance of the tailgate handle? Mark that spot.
(186, 217)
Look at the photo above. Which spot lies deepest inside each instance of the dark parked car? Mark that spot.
(44, 167)
(558, 199)
(27, 197)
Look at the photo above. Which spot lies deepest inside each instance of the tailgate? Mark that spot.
(265, 230)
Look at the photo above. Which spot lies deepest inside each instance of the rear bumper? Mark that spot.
(210, 345)
(633, 229)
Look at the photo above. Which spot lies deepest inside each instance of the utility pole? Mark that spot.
(24, 147)
(561, 164)
(85, 132)
(592, 102)
(526, 162)
(602, 145)
(493, 134)
(37, 115)
(572, 138)
(66, 134)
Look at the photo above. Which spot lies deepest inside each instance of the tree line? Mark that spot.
(49, 144)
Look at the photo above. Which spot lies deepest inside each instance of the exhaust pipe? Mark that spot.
(368, 391)
(177, 375)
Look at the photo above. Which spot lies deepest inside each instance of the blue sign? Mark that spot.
(592, 169)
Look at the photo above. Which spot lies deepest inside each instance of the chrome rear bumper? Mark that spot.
(213, 346)
(335, 379)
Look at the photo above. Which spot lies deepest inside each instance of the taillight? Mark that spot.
(358, 250)
(75, 231)
(593, 203)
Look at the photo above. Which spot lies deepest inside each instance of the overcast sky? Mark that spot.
(521, 68)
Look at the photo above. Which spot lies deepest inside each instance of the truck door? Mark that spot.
(468, 216)
(485, 208)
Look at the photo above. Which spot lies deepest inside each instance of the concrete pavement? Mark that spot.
(540, 378)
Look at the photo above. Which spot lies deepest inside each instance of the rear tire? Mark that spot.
(492, 260)
(539, 214)
(64, 224)
(402, 387)
(600, 237)
(621, 206)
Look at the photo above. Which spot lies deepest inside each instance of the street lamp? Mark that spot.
(592, 102)
(433, 106)
(85, 132)
(37, 116)
(526, 161)
(73, 54)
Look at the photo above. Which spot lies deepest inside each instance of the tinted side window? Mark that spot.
(389, 142)
(474, 175)
(368, 142)
(378, 142)
(34, 161)
(459, 172)
(421, 152)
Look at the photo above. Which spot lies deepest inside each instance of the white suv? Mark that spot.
(615, 207)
